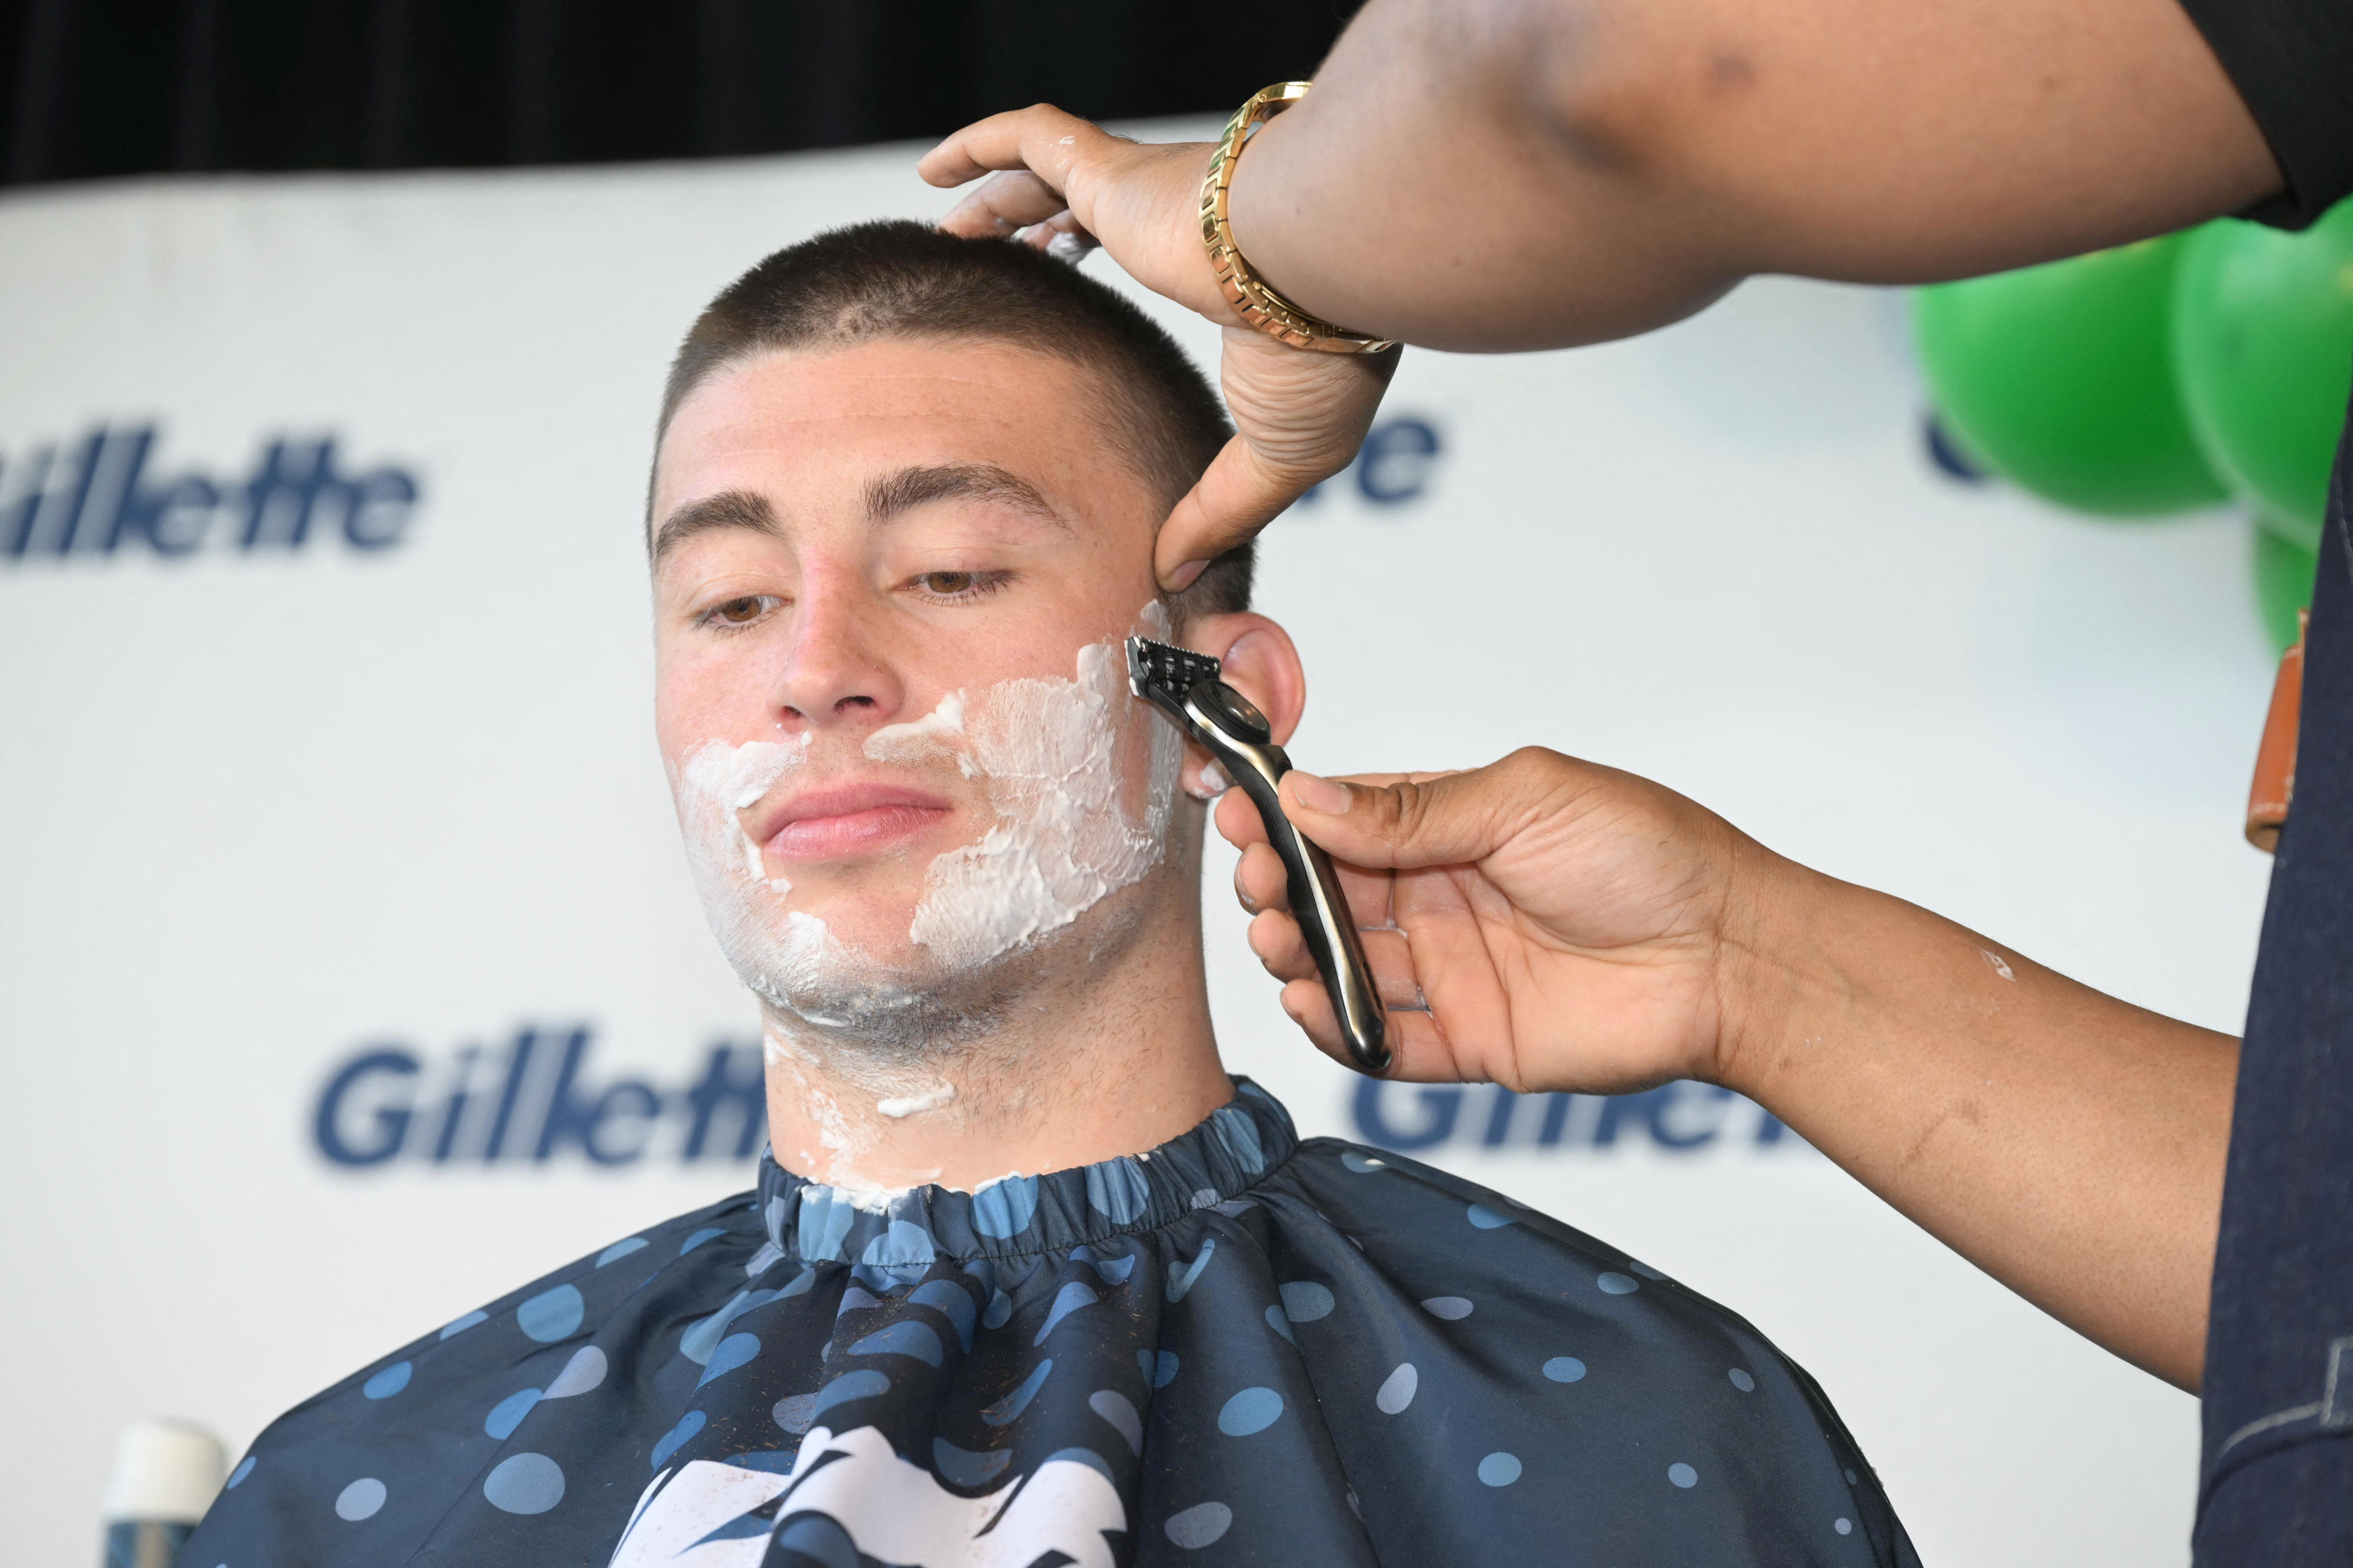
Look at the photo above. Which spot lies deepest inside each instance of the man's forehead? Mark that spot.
(878, 429)
(978, 382)
(805, 415)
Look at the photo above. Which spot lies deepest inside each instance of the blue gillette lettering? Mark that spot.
(1436, 1109)
(1681, 1117)
(534, 1100)
(1396, 464)
(103, 496)
(365, 1113)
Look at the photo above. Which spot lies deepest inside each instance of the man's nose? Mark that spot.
(836, 672)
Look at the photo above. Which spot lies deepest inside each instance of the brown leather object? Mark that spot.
(2275, 786)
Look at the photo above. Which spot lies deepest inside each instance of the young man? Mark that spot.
(1027, 1279)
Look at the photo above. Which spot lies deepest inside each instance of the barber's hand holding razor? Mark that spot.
(1299, 416)
(1542, 924)
(1549, 924)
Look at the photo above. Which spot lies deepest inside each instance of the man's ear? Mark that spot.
(1261, 663)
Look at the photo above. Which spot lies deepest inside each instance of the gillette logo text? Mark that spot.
(531, 1099)
(109, 494)
(1434, 1120)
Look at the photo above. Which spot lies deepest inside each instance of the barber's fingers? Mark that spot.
(1420, 1048)
(1239, 494)
(1041, 139)
(1299, 418)
(1238, 821)
(1261, 882)
(1061, 236)
(1236, 818)
(1276, 942)
(1055, 171)
(1455, 819)
(1003, 204)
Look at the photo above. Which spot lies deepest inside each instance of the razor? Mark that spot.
(1186, 686)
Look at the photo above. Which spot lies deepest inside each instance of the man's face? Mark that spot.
(890, 584)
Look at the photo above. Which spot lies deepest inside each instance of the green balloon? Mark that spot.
(2060, 379)
(2263, 336)
(2284, 573)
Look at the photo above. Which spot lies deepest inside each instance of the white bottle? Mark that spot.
(166, 1473)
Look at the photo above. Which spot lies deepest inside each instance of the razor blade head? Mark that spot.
(1172, 671)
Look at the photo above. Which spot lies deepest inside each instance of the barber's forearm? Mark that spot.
(1531, 174)
(2069, 1143)
(1424, 191)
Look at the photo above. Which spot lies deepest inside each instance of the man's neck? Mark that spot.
(1114, 1058)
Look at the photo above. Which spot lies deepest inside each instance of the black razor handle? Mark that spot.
(1185, 687)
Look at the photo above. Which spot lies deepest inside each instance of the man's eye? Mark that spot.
(961, 585)
(740, 611)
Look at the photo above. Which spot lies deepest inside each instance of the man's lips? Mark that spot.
(845, 819)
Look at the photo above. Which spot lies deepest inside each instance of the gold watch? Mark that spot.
(1260, 306)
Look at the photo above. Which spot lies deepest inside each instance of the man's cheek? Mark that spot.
(707, 694)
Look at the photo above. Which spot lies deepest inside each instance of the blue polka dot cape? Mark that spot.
(1239, 1347)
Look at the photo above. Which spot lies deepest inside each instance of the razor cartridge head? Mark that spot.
(1155, 668)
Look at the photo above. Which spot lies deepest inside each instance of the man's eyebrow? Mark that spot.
(728, 509)
(892, 494)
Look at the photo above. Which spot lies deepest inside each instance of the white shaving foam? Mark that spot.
(716, 781)
(1063, 841)
(741, 775)
(769, 946)
(931, 1098)
(920, 740)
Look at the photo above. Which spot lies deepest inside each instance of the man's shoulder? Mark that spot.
(1550, 1304)
(714, 1242)
(409, 1434)
(1331, 1163)
(1443, 1217)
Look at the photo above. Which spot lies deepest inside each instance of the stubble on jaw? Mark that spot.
(975, 1055)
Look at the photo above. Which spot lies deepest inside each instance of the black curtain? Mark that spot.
(95, 88)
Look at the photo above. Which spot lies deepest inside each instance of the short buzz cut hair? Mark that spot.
(898, 279)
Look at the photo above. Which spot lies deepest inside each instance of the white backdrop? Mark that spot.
(380, 789)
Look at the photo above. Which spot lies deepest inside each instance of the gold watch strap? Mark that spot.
(1260, 306)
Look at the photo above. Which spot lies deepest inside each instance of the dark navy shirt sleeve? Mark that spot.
(2292, 60)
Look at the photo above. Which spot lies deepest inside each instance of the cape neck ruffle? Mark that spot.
(890, 1240)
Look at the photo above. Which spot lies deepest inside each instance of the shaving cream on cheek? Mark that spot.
(715, 782)
(920, 740)
(768, 945)
(1065, 838)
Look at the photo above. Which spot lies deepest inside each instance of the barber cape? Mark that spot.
(1239, 1347)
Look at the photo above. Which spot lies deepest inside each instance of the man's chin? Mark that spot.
(818, 977)
(856, 933)
(897, 1011)
(860, 978)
